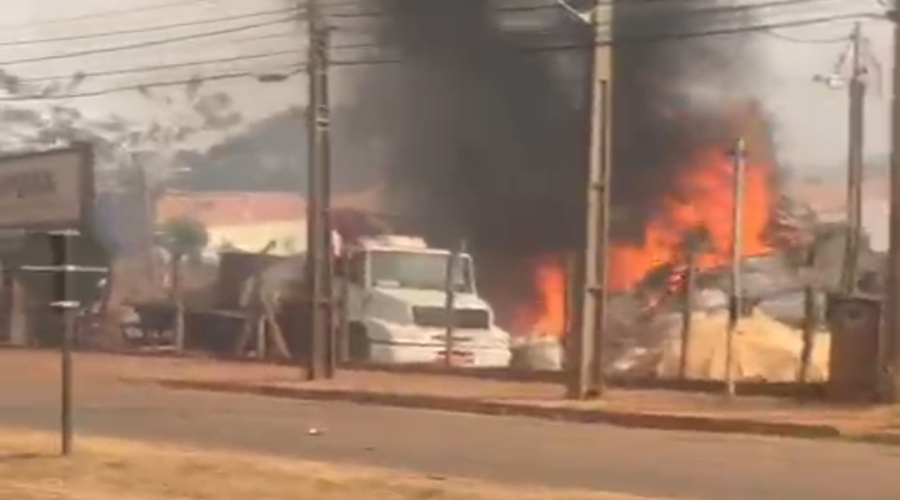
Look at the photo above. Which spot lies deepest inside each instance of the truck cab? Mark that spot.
(396, 306)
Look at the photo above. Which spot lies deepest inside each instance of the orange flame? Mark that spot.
(701, 198)
(547, 315)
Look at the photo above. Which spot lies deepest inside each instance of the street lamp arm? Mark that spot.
(581, 16)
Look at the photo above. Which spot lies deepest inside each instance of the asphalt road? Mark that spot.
(664, 464)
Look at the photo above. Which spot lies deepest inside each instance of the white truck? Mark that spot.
(396, 306)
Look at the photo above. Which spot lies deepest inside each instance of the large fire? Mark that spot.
(700, 199)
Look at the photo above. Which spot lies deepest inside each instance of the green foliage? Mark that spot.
(184, 236)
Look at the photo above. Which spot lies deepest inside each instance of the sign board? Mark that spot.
(47, 190)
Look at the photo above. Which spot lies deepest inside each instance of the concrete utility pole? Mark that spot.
(892, 296)
(586, 378)
(687, 310)
(856, 87)
(737, 250)
(318, 238)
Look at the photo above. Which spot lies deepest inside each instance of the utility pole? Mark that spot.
(149, 215)
(687, 310)
(737, 229)
(892, 296)
(318, 238)
(586, 377)
(856, 87)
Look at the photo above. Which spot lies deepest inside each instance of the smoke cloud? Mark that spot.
(675, 95)
(481, 138)
(484, 137)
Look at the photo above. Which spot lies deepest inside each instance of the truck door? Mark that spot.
(357, 289)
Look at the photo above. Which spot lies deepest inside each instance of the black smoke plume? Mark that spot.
(677, 89)
(483, 131)
(483, 139)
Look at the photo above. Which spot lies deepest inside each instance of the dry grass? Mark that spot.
(104, 469)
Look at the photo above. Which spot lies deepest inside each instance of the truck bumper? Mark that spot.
(463, 356)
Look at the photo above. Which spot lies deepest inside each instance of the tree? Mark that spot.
(182, 237)
(179, 117)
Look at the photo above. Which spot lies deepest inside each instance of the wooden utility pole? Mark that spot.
(318, 235)
(892, 296)
(856, 87)
(737, 229)
(586, 378)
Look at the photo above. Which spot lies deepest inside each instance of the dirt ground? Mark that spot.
(103, 469)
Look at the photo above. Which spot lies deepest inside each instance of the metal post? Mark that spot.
(318, 238)
(892, 296)
(454, 263)
(737, 223)
(60, 250)
(857, 95)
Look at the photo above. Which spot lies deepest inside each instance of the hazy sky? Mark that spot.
(810, 116)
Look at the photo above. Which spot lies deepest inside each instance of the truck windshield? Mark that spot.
(422, 271)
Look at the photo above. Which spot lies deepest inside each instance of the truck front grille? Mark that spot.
(436, 317)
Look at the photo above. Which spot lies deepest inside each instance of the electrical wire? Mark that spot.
(623, 39)
(387, 61)
(150, 85)
(808, 41)
(159, 67)
(732, 9)
(149, 43)
(187, 64)
(147, 29)
(102, 14)
(729, 9)
(618, 4)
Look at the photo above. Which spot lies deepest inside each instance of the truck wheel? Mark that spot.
(358, 344)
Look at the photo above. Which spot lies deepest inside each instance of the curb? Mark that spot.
(658, 421)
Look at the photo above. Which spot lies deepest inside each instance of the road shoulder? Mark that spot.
(107, 469)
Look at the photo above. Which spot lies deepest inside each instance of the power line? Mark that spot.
(765, 27)
(149, 85)
(808, 41)
(386, 61)
(712, 32)
(102, 14)
(720, 10)
(160, 67)
(149, 43)
(187, 64)
(619, 5)
(147, 29)
(242, 28)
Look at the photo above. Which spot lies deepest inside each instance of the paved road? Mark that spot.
(667, 464)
